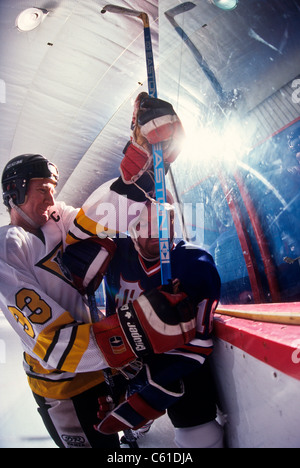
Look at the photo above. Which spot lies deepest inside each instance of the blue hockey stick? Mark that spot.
(158, 162)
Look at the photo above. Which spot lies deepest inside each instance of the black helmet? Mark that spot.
(20, 170)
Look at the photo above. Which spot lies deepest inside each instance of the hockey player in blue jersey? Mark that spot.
(179, 380)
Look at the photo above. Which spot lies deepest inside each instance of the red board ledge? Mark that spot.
(275, 344)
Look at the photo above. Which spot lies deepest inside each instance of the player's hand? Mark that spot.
(153, 121)
(148, 396)
(87, 261)
(156, 322)
(157, 122)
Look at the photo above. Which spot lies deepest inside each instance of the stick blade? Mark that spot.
(182, 8)
(120, 10)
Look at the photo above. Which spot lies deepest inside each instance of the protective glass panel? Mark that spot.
(233, 77)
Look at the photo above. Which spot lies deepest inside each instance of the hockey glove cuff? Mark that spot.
(137, 160)
(86, 262)
(147, 399)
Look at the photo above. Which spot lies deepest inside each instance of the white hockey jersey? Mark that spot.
(51, 318)
(37, 297)
(104, 213)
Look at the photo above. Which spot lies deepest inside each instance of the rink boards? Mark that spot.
(257, 369)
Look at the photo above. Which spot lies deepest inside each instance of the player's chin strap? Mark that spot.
(23, 215)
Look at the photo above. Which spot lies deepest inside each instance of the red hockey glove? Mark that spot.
(158, 122)
(138, 152)
(148, 397)
(154, 323)
(136, 162)
(153, 121)
(87, 262)
(106, 405)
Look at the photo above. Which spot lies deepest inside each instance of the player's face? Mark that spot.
(39, 199)
(147, 232)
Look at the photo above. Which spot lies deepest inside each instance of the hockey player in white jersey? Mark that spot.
(64, 353)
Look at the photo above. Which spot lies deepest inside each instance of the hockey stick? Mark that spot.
(158, 162)
(96, 316)
(270, 312)
(182, 8)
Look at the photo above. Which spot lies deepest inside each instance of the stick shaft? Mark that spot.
(196, 53)
(158, 161)
(159, 171)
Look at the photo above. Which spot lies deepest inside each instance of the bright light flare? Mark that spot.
(208, 145)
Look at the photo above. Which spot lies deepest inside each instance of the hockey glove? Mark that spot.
(156, 322)
(87, 262)
(153, 121)
(147, 398)
(137, 153)
(158, 123)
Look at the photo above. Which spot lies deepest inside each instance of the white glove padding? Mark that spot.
(87, 262)
(147, 399)
(156, 322)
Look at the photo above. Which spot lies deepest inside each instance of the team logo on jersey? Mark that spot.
(53, 264)
(117, 345)
(63, 268)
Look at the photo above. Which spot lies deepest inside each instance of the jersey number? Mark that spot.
(40, 310)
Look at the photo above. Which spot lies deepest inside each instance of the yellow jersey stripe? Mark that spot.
(65, 354)
(85, 227)
(63, 389)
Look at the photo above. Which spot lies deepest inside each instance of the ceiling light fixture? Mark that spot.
(30, 19)
(225, 4)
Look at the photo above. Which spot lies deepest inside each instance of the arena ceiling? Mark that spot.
(67, 87)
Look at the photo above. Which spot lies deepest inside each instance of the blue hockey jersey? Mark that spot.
(129, 275)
